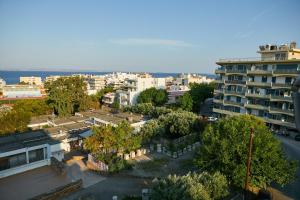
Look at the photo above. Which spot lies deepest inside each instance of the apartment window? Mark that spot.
(265, 67)
(264, 79)
(273, 79)
(239, 99)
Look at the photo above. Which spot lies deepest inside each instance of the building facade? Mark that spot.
(261, 87)
(31, 80)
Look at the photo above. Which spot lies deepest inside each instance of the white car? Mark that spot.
(212, 119)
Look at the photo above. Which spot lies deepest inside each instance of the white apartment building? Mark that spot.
(2, 84)
(261, 87)
(133, 87)
(186, 79)
(32, 80)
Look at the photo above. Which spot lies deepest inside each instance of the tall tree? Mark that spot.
(224, 149)
(67, 95)
(186, 102)
(200, 92)
(192, 186)
(157, 97)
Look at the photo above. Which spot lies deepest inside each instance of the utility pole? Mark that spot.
(249, 162)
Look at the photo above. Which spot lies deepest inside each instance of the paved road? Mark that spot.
(292, 149)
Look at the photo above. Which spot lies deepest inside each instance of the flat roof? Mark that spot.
(114, 118)
(27, 139)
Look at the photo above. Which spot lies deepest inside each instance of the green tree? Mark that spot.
(157, 97)
(14, 121)
(225, 146)
(107, 139)
(150, 130)
(186, 102)
(67, 95)
(34, 106)
(180, 123)
(192, 186)
(200, 92)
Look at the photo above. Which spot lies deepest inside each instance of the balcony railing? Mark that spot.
(282, 123)
(240, 59)
(218, 90)
(262, 84)
(262, 72)
(286, 71)
(225, 112)
(219, 81)
(233, 92)
(220, 71)
(264, 96)
(280, 110)
(241, 82)
(282, 85)
(218, 101)
(256, 106)
(281, 98)
(233, 103)
(236, 71)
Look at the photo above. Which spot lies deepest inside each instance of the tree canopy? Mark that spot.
(107, 139)
(35, 106)
(14, 121)
(186, 102)
(193, 186)
(200, 92)
(67, 95)
(224, 149)
(157, 97)
(180, 123)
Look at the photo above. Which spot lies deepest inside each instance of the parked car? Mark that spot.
(283, 132)
(212, 119)
(297, 137)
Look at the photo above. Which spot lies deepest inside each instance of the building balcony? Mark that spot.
(259, 72)
(218, 90)
(256, 95)
(256, 106)
(281, 123)
(225, 112)
(259, 84)
(234, 93)
(220, 71)
(281, 85)
(281, 98)
(218, 101)
(236, 71)
(235, 82)
(287, 72)
(273, 110)
(233, 103)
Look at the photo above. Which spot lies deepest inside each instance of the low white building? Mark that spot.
(31, 80)
(26, 151)
(175, 91)
(21, 91)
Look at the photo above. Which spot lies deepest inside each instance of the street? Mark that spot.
(292, 149)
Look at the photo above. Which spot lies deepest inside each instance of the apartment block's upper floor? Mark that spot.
(287, 53)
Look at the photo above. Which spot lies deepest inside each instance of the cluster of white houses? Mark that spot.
(127, 85)
(53, 137)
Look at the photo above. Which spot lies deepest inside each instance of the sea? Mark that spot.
(13, 77)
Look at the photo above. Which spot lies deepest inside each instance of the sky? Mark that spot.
(139, 35)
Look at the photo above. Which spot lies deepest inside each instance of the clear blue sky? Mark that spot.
(138, 35)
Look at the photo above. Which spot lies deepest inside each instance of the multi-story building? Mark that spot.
(133, 87)
(31, 80)
(261, 87)
(186, 79)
